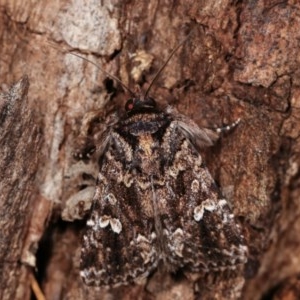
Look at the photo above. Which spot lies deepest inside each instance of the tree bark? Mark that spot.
(240, 61)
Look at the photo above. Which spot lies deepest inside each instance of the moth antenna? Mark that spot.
(106, 73)
(165, 63)
(102, 70)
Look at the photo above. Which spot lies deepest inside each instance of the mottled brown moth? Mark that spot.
(155, 201)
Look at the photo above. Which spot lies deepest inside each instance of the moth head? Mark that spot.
(139, 104)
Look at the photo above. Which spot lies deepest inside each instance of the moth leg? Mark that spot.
(92, 122)
(78, 205)
(83, 178)
(94, 131)
(200, 137)
(215, 133)
(227, 127)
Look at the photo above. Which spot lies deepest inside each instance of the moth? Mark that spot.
(155, 201)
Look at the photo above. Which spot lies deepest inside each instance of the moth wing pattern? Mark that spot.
(199, 229)
(119, 243)
(156, 201)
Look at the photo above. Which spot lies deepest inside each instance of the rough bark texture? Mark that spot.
(20, 140)
(241, 61)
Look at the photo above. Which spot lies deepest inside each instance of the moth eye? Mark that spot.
(129, 105)
(137, 104)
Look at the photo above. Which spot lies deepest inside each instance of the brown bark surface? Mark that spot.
(242, 60)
